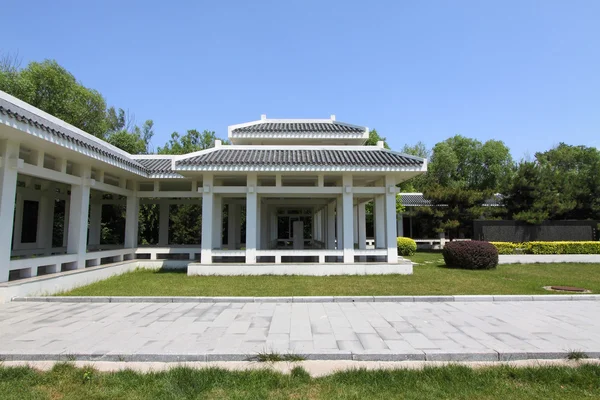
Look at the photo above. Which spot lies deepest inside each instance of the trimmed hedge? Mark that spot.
(549, 247)
(506, 247)
(470, 255)
(406, 246)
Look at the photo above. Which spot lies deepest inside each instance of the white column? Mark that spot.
(390, 219)
(78, 217)
(207, 219)
(18, 228)
(355, 220)
(46, 218)
(66, 221)
(132, 217)
(163, 224)
(95, 222)
(330, 240)
(264, 226)
(251, 210)
(362, 226)
(348, 216)
(339, 217)
(217, 230)
(400, 225)
(9, 152)
(233, 225)
(379, 210)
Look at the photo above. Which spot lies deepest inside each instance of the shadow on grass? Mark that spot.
(171, 271)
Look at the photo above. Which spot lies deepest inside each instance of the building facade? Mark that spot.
(298, 187)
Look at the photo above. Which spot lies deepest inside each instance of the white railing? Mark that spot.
(156, 253)
(29, 266)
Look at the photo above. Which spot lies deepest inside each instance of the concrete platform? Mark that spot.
(310, 269)
(359, 331)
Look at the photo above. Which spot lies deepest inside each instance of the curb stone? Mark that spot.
(307, 299)
(376, 355)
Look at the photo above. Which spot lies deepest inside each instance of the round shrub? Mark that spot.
(406, 246)
(470, 255)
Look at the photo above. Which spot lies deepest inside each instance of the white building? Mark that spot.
(302, 186)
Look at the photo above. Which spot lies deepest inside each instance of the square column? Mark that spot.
(348, 217)
(217, 230)
(233, 226)
(330, 240)
(362, 226)
(390, 219)
(379, 210)
(66, 221)
(95, 222)
(339, 220)
(207, 220)
(355, 221)
(251, 219)
(46, 224)
(132, 221)
(78, 217)
(163, 224)
(9, 152)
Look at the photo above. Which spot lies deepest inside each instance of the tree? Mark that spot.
(192, 141)
(136, 141)
(561, 183)
(417, 183)
(52, 88)
(374, 138)
(462, 174)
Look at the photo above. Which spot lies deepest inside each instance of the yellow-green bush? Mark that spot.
(562, 247)
(406, 246)
(506, 247)
(549, 247)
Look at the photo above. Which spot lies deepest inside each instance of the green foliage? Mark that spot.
(134, 141)
(192, 141)
(52, 88)
(374, 138)
(418, 183)
(549, 247)
(562, 183)
(462, 174)
(406, 246)
(506, 247)
(470, 255)
(562, 247)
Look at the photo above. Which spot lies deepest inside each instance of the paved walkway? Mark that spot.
(475, 331)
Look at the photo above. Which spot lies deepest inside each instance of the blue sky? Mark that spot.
(525, 72)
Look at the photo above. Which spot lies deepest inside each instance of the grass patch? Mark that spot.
(576, 355)
(67, 382)
(430, 277)
(275, 357)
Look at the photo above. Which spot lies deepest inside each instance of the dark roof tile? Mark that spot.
(303, 157)
(297, 127)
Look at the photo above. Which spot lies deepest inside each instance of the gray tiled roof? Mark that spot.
(156, 165)
(414, 200)
(418, 200)
(298, 127)
(301, 157)
(23, 115)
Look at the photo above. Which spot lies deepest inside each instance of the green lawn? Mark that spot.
(430, 277)
(66, 382)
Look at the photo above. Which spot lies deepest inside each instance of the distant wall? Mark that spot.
(514, 231)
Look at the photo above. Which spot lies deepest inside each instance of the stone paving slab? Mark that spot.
(327, 330)
(307, 299)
